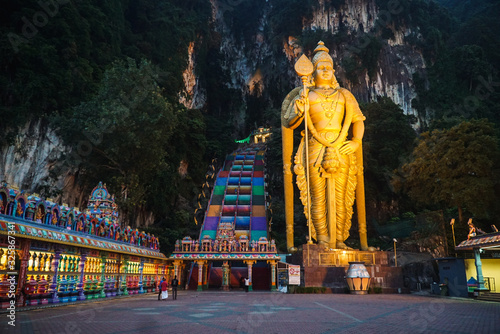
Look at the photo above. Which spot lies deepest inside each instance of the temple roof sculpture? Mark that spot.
(102, 204)
(68, 225)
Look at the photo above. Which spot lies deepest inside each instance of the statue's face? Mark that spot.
(323, 73)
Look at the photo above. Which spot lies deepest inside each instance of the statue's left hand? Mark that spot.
(349, 147)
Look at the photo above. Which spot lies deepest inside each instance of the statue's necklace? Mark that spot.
(328, 104)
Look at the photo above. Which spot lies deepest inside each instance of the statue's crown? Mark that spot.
(321, 54)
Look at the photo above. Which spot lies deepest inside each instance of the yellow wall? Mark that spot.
(491, 268)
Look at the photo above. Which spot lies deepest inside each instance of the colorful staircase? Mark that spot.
(235, 227)
(238, 198)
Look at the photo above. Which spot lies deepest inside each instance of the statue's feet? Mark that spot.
(341, 245)
(323, 244)
(368, 248)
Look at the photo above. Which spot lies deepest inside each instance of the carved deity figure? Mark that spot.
(102, 230)
(19, 210)
(472, 229)
(79, 225)
(132, 237)
(328, 164)
(39, 215)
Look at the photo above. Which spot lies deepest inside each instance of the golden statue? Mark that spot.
(328, 164)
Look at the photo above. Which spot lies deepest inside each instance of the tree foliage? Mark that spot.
(462, 54)
(128, 133)
(387, 142)
(287, 17)
(120, 116)
(457, 167)
(50, 66)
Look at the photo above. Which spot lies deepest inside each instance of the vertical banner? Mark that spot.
(293, 274)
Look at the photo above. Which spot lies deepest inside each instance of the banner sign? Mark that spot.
(293, 274)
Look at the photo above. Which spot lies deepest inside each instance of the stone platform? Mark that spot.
(327, 268)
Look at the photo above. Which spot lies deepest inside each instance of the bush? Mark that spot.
(309, 289)
(375, 290)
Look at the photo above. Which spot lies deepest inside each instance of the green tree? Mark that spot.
(388, 140)
(457, 167)
(124, 135)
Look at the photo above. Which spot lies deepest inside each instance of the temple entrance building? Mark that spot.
(52, 253)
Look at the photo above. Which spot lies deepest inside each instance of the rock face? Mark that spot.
(26, 164)
(256, 66)
(258, 61)
(194, 96)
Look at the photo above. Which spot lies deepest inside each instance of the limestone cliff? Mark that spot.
(259, 62)
(26, 163)
(256, 62)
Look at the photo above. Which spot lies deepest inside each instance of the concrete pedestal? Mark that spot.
(328, 268)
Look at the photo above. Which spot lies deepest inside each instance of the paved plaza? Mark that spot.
(263, 312)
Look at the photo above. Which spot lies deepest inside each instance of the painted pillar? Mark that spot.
(14, 209)
(141, 270)
(205, 275)
(24, 245)
(102, 284)
(249, 265)
(479, 269)
(160, 276)
(124, 290)
(273, 275)
(177, 264)
(161, 272)
(225, 276)
(200, 275)
(157, 268)
(81, 265)
(167, 275)
(55, 268)
(182, 274)
(118, 276)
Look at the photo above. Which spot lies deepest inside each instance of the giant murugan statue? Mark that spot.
(329, 160)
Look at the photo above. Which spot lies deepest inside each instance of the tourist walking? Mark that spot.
(175, 284)
(159, 288)
(164, 289)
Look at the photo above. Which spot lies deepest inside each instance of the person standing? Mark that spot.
(175, 284)
(247, 284)
(164, 289)
(159, 288)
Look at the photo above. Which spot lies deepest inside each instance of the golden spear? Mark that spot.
(304, 68)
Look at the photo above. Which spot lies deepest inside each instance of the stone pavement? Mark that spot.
(263, 312)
